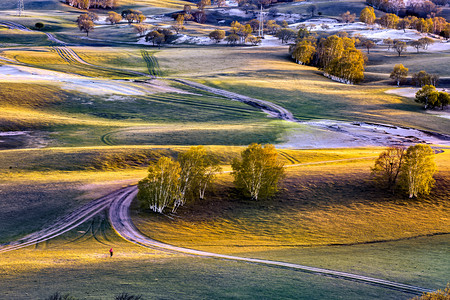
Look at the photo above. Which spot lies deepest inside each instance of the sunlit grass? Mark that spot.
(317, 205)
(156, 275)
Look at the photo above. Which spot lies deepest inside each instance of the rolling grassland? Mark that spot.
(87, 118)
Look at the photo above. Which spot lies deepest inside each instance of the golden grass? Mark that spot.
(62, 253)
(36, 56)
(27, 95)
(317, 205)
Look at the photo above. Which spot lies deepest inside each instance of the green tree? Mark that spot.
(161, 187)
(422, 78)
(427, 95)
(387, 167)
(232, 39)
(258, 171)
(347, 63)
(418, 170)
(443, 99)
(399, 73)
(367, 15)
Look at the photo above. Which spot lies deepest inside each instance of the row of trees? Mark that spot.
(416, 7)
(434, 24)
(413, 7)
(337, 56)
(400, 73)
(242, 33)
(86, 4)
(170, 184)
(411, 169)
(132, 15)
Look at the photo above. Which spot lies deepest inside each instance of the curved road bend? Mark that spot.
(119, 216)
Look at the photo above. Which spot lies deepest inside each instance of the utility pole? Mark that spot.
(20, 7)
(261, 23)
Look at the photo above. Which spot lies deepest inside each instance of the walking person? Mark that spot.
(111, 252)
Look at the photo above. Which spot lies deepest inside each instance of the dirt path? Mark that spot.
(351, 134)
(270, 108)
(120, 219)
(67, 222)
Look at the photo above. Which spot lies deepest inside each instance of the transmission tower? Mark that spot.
(20, 7)
(261, 24)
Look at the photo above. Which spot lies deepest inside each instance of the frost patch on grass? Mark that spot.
(338, 134)
(91, 86)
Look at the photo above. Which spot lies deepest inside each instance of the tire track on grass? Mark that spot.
(66, 223)
(120, 219)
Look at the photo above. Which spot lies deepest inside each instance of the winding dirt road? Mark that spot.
(119, 216)
(68, 222)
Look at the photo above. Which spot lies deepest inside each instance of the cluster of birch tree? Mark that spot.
(429, 24)
(417, 7)
(410, 169)
(170, 184)
(336, 56)
(86, 4)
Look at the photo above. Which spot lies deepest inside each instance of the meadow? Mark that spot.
(100, 126)
(298, 225)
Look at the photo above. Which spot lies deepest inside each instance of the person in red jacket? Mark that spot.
(110, 252)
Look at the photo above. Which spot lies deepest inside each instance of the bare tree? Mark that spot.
(388, 166)
(400, 47)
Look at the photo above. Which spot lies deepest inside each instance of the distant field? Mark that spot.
(431, 62)
(71, 118)
(269, 74)
(326, 8)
